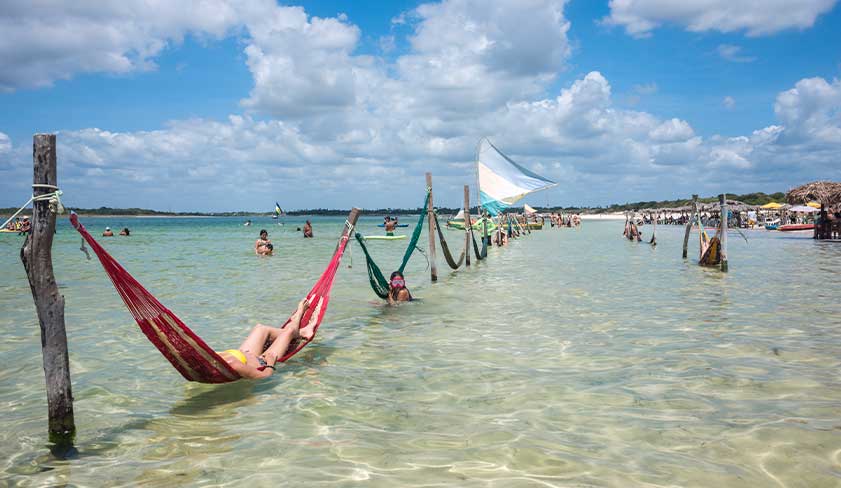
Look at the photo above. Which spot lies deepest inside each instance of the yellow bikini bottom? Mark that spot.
(237, 354)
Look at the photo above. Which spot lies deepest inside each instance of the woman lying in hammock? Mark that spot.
(258, 354)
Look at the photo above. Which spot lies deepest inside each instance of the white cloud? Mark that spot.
(732, 53)
(756, 18)
(674, 130)
(301, 65)
(5, 143)
(46, 41)
(728, 102)
(811, 111)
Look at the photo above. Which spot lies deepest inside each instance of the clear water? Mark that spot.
(570, 358)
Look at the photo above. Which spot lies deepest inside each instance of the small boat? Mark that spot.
(477, 225)
(793, 227)
(535, 225)
(384, 238)
(9, 231)
(398, 225)
(772, 224)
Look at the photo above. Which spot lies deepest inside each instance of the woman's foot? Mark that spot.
(303, 305)
(306, 333)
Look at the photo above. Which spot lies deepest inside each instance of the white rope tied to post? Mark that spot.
(349, 227)
(53, 198)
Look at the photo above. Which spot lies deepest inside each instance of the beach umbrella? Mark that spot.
(772, 205)
(814, 204)
(803, 208)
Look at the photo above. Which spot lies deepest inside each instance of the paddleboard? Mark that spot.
(384, 238)
(7, 231)
(398, 225)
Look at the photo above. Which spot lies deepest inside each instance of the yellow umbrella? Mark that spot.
(772, 205)
(814, 204)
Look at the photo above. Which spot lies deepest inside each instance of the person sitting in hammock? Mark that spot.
(263, 246)
(255, 360)
(397, 291)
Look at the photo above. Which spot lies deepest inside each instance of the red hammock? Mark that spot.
(187, 352)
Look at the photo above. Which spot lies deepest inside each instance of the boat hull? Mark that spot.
(794, 227)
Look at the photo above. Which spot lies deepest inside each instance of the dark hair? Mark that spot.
(270, 247)
(264, 231)
(396, 274)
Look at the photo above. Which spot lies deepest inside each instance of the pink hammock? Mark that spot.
(187, 352)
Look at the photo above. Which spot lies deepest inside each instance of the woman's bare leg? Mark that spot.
(286, 335)
(255, 340)
(307, 332)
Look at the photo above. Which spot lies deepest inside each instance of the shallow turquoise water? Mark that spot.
(570, 358)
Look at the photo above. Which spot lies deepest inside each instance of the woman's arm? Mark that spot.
(250, 372)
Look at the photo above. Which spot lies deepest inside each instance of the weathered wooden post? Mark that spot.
(722, 203)
(430, 215)
(689, 224)
(653, 240)
(467, 225)
(36, 255)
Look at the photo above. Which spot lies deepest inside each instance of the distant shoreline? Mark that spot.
(749, 198)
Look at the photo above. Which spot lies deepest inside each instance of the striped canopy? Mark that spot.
(502, 182)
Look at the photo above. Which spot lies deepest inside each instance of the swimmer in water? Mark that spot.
(263, 246)
(397, 291)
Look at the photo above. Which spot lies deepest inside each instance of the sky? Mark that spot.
(223, 105)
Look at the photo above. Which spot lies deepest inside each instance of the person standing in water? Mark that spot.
(390, 225)
(308, 229)
(255, 360)
(263, 246)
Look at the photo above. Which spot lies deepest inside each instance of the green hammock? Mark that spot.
(446, 249)
(375, 275)
(484, 253)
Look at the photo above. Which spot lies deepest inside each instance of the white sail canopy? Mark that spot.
(502, 182)
(528, 209)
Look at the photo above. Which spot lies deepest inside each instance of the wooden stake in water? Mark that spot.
(722, 203)
(689, 224)
(467, 225)
(433, 270)
(36, 255)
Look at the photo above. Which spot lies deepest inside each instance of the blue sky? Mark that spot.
(225, 104)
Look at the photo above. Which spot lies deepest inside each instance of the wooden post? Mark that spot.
(433, 270)
(36, 255)
(722, 203)
(653, 240)
(689, 224)
(484, 227)
(467, 225)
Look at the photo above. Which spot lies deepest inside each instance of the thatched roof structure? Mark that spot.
(826, 192)
(734, 205)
